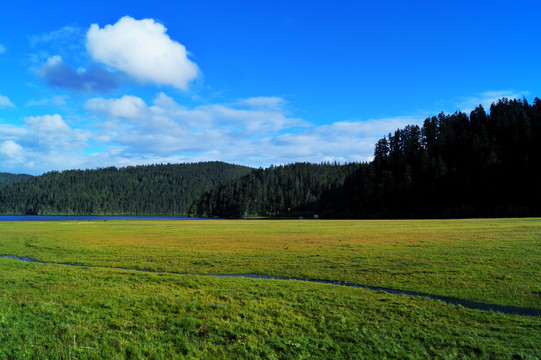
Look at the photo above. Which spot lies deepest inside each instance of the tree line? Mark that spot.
(6, 178)
(164, 189)
(454, 165)
(278, 191)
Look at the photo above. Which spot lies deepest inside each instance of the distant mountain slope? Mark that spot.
(151, 189)
(6, 178)
(288, 190)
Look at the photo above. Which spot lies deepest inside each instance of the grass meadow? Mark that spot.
(54, 311)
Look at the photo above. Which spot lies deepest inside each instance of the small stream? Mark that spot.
(475, 305)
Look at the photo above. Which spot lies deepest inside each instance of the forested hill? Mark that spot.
(454, 165)
(152, 189)
(289, 190)
(481, 165)
(6, 178)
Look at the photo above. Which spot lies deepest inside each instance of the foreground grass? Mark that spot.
(50, 311)
(492, 260)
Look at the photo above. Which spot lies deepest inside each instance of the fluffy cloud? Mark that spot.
(12, 150)
(142, 49)
(166, 127)
(48, 124)
(256, 131)
(59, 74)
(51, 133)
(5, 102)
(127, 107)
(128, 131)
(42, 143)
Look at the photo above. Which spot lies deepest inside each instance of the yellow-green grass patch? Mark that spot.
(491, 260)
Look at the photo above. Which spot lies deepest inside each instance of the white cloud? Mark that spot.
(128, 131)
(53, 138)
(42, 143)
(167, 128)
(467, 104)
(48, 124)
(255, 131)
(50, 133)
(346, 141)
(5, 102)
(11, 132)
(142, 49)
(127, 107)
(12, 150)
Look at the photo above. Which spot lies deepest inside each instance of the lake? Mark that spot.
(93, 217)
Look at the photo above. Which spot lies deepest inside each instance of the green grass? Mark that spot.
(61, 312)
(50, 311)
(496, 261)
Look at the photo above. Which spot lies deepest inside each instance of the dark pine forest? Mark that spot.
(481, 165)
(454, 165)
(485, 164)
(278, 191)
(6, 178)
(135, 190)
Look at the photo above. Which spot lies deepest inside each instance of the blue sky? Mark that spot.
(109, 83)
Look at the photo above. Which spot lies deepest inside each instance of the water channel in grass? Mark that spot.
(475, 305)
